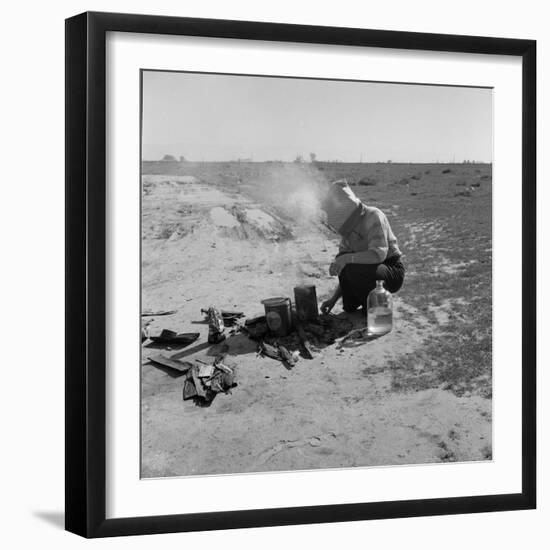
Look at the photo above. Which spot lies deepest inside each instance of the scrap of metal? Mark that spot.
(203, 382)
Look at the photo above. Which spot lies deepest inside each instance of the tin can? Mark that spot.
(278, 315)
(305, 298)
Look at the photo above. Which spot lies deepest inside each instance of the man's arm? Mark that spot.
(327, 305)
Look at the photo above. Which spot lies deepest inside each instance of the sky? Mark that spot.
(228, 117)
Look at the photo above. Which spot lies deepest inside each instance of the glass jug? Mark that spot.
(379, 310)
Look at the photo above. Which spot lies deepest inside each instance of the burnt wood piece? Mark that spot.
(305, 348)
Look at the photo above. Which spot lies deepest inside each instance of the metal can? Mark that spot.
(278, 315)
(305, 298)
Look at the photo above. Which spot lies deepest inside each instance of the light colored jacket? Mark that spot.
(372, 231)
(362, 227)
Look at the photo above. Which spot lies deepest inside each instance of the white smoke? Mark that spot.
(295, 191)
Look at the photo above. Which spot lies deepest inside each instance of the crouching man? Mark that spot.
(368, 251)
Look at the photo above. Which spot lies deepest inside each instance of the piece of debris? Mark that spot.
(254, 320)
(206, 371)
(230, 318)
(145, 331)
(221, 356)
(204, 382)
(193, 374)
(358, 333)
(171, 337)
(287, 358)
(222, 382)
(150, 313)
(255, 331)
(181, 366)
(189, 390)
(277, 352)
(255, 327)
(224, 368)
(268, 350)
(216, 326)
(305, 347)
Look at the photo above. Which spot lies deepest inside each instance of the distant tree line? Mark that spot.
(172, 158)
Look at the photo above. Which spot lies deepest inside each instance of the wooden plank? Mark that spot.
(161, 359)
(165, 337)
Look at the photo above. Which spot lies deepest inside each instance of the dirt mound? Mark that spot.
(249, 223)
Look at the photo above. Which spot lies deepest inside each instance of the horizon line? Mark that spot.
(252, 161)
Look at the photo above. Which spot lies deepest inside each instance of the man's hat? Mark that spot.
(339, 204)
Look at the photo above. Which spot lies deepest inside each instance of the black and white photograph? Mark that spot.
(274, 275)
(316, 274)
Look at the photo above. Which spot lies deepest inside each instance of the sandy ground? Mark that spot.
(203, 246)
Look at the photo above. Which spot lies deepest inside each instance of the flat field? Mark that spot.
(232, 234)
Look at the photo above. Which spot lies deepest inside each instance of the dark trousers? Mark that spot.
(357, 280)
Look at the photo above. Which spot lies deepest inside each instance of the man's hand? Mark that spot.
(338, 264)
(327, 305)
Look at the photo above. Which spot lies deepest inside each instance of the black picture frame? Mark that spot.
(86, 273)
